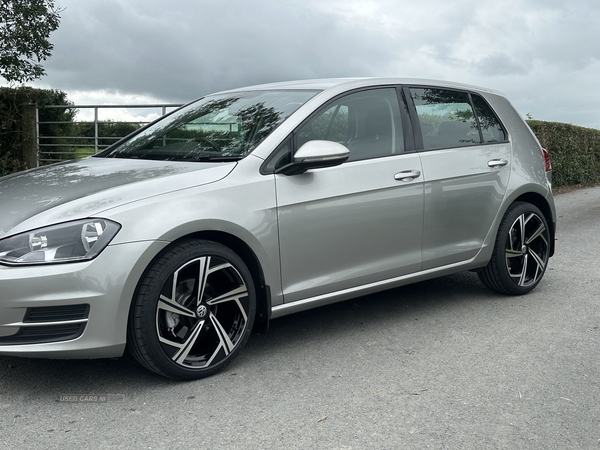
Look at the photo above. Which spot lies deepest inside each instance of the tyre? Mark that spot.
(521, 251)
(193, 311)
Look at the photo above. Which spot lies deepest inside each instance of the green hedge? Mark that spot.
(574, 152)
(11, 132)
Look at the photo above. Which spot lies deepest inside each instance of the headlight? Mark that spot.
(80, 240)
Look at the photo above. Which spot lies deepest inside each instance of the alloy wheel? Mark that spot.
(527, 249)
(202, 312)
(521, 251)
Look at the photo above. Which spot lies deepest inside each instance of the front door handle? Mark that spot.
(497, 163)
(407, 175)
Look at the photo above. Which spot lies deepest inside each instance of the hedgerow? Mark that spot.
(574, 152)
(11, 132)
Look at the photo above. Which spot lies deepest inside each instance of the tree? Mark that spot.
(25, 26)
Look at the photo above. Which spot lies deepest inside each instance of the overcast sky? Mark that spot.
(544, 54)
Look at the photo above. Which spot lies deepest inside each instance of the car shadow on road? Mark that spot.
(32, 378)
(392, 308)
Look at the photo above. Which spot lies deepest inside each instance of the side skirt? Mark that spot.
(346, 294)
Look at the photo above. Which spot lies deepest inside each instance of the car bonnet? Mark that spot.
(79, 189)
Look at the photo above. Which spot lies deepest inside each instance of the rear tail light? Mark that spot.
(547, 162)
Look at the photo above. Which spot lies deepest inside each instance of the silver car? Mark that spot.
(254, 203)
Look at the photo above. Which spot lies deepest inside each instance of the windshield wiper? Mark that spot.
(213, 158)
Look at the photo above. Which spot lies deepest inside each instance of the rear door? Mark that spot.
(360, 222)
(466, 160)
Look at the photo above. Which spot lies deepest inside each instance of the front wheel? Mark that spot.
(193, 311)
(521, 251)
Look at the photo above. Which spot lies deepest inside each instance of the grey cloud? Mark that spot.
(564, 36)
(499, 63)
(176, 51)
(176, 54)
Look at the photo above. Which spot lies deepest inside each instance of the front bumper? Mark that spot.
(72, 310)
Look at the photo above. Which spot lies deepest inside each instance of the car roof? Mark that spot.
(323, 84)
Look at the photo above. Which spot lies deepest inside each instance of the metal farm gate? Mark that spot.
(61, 137)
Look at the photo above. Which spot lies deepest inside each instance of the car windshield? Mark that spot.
(222, 127)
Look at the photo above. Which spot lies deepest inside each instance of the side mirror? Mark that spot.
(315, 155)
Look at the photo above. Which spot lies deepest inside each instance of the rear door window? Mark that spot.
(446, 117)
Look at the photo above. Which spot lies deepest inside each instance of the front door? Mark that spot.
(360, 222)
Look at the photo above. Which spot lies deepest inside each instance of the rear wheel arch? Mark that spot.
(542, 204)
(521, 251)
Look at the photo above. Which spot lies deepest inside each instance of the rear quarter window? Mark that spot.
(491, 129)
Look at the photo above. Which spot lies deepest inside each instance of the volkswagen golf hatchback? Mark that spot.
(254, 203)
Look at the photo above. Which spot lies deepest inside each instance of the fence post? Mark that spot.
(29, 138)
(95, 130)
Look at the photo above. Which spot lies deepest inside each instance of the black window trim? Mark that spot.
(263, 167)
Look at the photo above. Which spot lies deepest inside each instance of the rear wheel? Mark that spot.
(193, 312)
(521, 251)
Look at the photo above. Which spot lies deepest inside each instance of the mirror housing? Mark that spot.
(315, 155)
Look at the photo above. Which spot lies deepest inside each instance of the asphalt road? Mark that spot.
(442, 364)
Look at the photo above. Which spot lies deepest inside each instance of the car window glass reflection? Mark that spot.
(367, 122)
(216, 128)
(446, 118)
(491, 129)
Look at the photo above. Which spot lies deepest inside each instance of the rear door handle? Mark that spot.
(497, 163)
(407, 175)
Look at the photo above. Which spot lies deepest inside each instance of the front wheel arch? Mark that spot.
(244, 251)
(263, 293)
